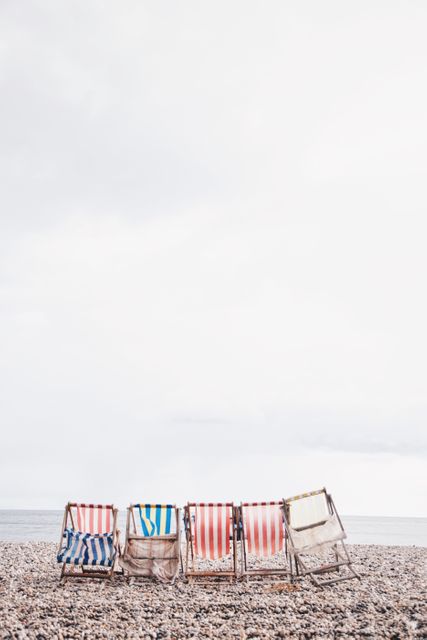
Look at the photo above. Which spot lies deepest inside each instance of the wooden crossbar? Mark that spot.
(261, 504)
(91, 506)
(153, 505)
(306, 495)
(210, 504)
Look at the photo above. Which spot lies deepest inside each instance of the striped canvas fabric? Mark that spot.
(263, 527)
(156, 519)
(212, 529)
(94, 518)
(87, 549)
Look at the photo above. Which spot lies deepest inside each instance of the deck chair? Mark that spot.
(210, 531)
(153, 542)
(89, 542)
(314, 529)
(261, 529)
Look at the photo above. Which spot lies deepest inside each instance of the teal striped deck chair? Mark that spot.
(153, 546)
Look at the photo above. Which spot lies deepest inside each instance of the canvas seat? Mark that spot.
(315, 532)
(322, 536)
(87, 549)
(153, 542)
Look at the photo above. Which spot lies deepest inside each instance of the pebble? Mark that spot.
(389, 602)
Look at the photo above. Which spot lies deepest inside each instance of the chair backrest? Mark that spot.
(156, 519)
(308, 509)
(213, 527)
(263, 527)
(92, 518)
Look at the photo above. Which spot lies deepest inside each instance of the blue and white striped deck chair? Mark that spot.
(152, 547)
(89, 541)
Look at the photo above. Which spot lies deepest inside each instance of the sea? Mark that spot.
(32, 526)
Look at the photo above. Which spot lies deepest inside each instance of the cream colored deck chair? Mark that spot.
(262, 534)
(314, 529)
(210, 532)
(89, 543)
(153, 542)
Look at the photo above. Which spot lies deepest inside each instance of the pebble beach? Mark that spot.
(388, 602)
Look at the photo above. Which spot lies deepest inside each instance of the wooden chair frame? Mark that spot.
(134, 535)
(245, 572)
(85, 571)
(191, 571)
(342, 558)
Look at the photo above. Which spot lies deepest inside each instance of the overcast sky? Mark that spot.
(213, 252)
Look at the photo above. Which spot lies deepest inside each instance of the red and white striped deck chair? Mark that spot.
(262, 534)
(89, 542)
(210, 530)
